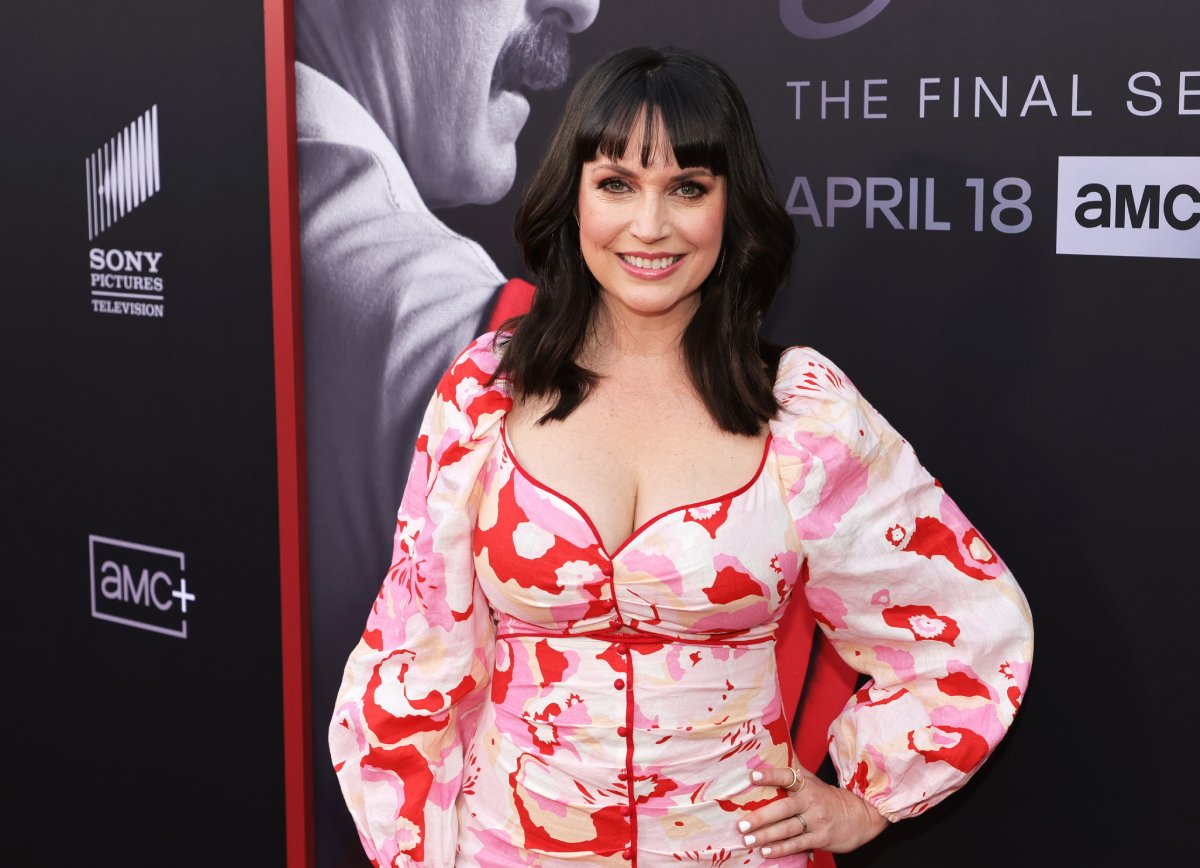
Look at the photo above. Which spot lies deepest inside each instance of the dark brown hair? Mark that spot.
(708, 125)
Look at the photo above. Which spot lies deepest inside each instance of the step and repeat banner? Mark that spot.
(997, 207)
(144, 705)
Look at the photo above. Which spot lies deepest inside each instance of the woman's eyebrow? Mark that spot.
(695, 171)
(615, 168)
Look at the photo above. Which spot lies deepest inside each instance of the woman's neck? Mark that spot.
(619, 337)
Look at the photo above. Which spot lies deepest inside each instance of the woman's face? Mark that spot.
(650, 234)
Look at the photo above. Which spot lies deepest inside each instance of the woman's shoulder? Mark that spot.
(805, 373)
(817, 398)
(479, 359)
(468, 387)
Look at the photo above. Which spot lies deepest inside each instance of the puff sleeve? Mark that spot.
(908, 592)
(414, 685)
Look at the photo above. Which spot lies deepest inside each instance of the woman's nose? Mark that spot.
(650, 221)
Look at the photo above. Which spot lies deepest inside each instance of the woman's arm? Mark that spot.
(908, 592)
(414, 684)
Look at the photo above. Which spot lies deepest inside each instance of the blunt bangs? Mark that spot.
(669, 98)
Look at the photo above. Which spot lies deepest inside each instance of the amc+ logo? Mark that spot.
(139, 586)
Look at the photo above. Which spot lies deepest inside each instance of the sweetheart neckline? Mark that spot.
(648, 523)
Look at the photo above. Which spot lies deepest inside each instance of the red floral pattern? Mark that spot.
(490, 715)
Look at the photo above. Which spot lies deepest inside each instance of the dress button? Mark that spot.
(625, 812)
(621, 648)
(622, 775)
(622, 731)
(627, 855)
(619, 684)
(615, 623)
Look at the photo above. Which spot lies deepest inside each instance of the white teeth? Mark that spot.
(654, 264)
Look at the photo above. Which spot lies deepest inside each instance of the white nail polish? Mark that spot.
(756, 776)
(744, 826)
(749, 839)
(766, 851)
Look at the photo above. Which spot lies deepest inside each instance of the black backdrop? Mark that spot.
(127, 746)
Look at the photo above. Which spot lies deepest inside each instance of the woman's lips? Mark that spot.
(647, 273)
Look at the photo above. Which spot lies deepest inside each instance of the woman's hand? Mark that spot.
(815, 816)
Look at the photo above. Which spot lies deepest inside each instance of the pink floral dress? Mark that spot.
(491, 715)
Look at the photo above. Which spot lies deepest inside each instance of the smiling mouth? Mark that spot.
(655, 264)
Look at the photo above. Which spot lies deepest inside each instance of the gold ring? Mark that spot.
(800, 817)
(796, 779)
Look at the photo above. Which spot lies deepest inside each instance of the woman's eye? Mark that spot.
(692, 190)
(613, 185)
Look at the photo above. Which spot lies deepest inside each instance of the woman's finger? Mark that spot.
(789, 847)
(780, 809)
(775, 812)
(780, 833)
(773, 776)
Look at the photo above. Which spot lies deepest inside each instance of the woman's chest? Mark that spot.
(718, 565)
(625, 459)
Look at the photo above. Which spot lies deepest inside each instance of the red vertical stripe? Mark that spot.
(289, 427)
(632, 782)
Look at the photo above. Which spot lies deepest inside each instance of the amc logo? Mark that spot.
(1129, 206)
(139, 586)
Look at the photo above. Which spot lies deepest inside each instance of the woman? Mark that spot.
(571, 660)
